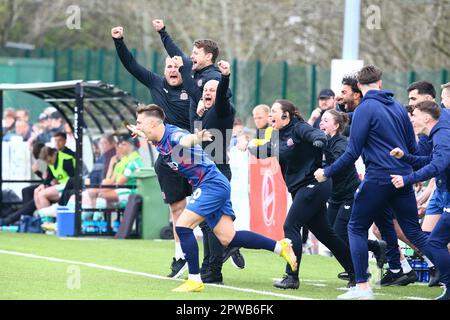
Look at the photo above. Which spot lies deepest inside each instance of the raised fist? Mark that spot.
(224, 67)
(177, 61)
(117, 32)
(158, 24)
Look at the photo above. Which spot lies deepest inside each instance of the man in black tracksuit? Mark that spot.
(299, 148)
(201, 62)
(169, 93)
(198, 70)
(216, 114)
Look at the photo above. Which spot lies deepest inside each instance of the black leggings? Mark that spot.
(309, 209)
(339, 215)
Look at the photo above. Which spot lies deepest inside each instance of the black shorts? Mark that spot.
(174, 187)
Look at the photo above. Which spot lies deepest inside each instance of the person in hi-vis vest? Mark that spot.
(61, 167)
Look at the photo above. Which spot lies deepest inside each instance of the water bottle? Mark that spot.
(116, 225)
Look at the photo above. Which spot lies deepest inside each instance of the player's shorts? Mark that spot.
(211, 199)
(174, 187)
(440, 199)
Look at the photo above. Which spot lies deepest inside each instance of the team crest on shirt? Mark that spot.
(173, 165)
(199, 82)
(290, 142)
(184, 95)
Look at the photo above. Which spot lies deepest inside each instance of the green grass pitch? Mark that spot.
(29, 277)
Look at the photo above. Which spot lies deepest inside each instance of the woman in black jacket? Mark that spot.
(340, 203)
(299, 149)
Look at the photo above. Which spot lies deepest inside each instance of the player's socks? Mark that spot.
(190, 248)
(252, 240)
(178, 251)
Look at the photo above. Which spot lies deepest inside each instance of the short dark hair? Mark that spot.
(209, 46)
(61, 134)
(430, 107)
(151, 110)
(352, 82)
(369, 74)
(422, 87)
(37, 147)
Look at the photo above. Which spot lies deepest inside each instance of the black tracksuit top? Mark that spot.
(346, 182)
(173, 100)
(298, 158)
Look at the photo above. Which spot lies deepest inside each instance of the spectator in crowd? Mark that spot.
(327, 101)
(261, 117)
(130, 160)
(9, 117)
(107, 146)
(22, 114)
(61, 167)
(60, 139)
(23, 129)
(56, 122)
(238, 128)
(70, 138)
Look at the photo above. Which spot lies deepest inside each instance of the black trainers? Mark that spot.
(212, 276)
(178, 268)
(344, 276)
(351, 281)
(228, 252)
(380, 253)
(445, 295)
(237, 259)
(411, 278)
(434, 277)
(288, 282)
(393, 279)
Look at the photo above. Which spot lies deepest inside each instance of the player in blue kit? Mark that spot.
(210, 201)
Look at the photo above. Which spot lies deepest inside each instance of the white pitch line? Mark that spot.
(148, 275)
(416, 298)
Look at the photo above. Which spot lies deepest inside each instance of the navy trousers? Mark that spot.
(438, 240)
(371, 200)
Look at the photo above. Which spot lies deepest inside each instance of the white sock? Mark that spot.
(277, 249)
(195, 277)
(178, 251)
(395, 270)
(405, 266)
(429, 263)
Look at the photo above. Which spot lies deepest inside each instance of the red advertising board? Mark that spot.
(268, 197)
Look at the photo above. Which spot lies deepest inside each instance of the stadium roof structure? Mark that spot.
(107, 108)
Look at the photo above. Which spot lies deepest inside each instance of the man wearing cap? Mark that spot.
(327, 101)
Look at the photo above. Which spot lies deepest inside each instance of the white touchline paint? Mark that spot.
(148, 275)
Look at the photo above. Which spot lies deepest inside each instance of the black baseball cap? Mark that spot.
(326, 93)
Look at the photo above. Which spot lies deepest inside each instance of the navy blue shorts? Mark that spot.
(439, 200)
(211, 199)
